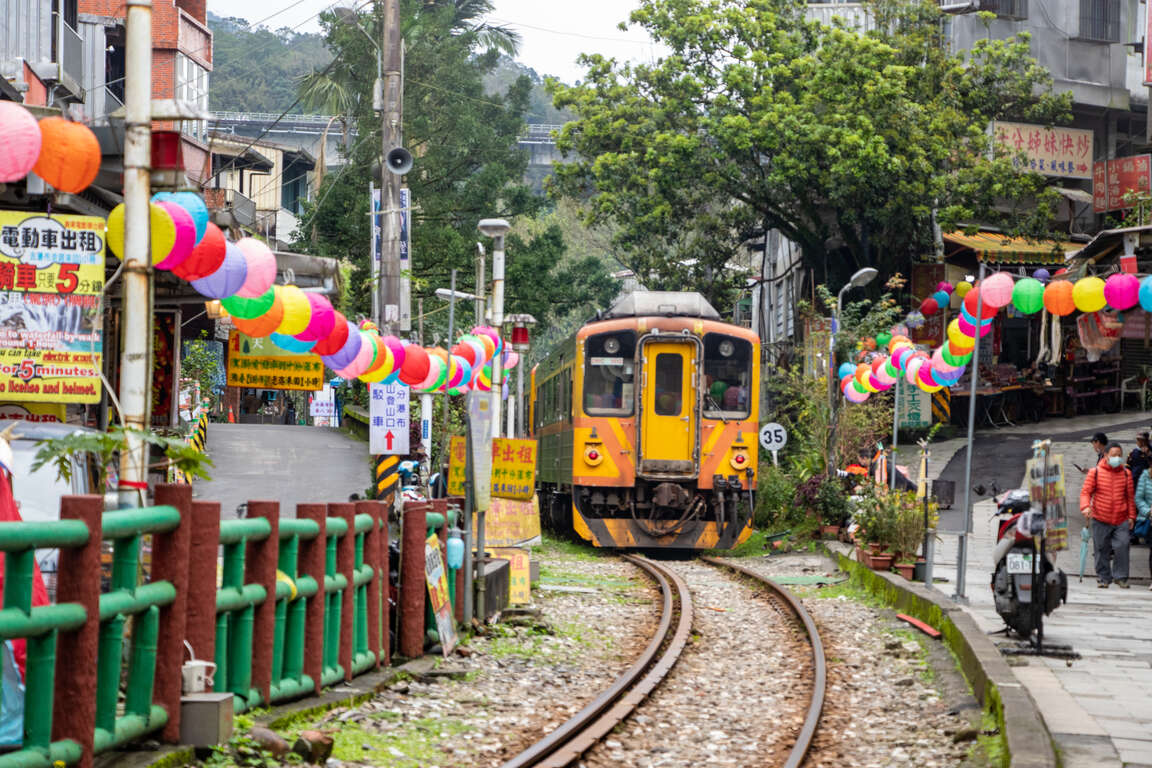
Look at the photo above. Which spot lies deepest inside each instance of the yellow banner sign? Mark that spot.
(40, 412)
(510, 523)
(519, 588)
(51, 277)
(513, 468)
(260, 364)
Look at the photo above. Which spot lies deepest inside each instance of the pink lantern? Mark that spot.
(322, 321)
(398, 350)
(939, 364)
(1122, 290)
(22, 139)
(924, 376)
(261, 267)
(969, 330)
(944, 286)
(912, 369)
(185, 239)
(997, 290)
(435, 371)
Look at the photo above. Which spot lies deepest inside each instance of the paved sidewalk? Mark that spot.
(1099, 708)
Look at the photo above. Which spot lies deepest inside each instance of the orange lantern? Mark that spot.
(261, 326)
(69, 155)
(1058, 298)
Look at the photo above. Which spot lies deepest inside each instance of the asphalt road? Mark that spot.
(289, 464)
(999, 458)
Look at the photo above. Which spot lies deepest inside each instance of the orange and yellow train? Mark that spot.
(647, 422)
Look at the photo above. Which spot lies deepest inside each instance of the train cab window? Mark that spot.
(609, 373)
(727, 376)
(669, 394)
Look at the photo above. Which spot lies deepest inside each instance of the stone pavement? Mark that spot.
(289, 464)
(1098, 708)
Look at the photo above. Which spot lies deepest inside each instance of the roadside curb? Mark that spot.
(1026, 739)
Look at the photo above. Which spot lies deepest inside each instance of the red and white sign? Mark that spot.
(1113, 179)
(1147, 46)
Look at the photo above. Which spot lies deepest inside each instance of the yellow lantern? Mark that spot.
(297, 311)
(1088, 294)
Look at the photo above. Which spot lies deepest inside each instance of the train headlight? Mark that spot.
(726, 348)
(612, 345)
(593, 455)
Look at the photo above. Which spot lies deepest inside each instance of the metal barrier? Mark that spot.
(275, 633)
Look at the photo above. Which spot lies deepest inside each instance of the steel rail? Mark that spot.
(820, 671)
(583, 730)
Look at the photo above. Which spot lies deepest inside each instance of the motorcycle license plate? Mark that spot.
(1019, 562)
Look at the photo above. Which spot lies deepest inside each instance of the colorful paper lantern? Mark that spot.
(190, 202)
(943, 299)
(334, 341)
(265, 324)
(962, 288)
(435, 369)
(1088, 294)
(292, 344)
(1146, 294)
(929, 307)
(845, 369)
(321, 320)
(249, 309)
(1122, 291)
(383, 366)
(226, 280)
(163, 232)
(69, 155)
(997, 290)
(912, 369)
(22, 141)
(348, 352)
(261, 267)
(415, 367)
(1028, 296)
(949, 357)
(364, 357)
(205, 258)
(1042, 275)
(1058, 298)
(184, 240)
(969, 330)
(944, 286)
(297, 312)
(883, 339)
(974, 300)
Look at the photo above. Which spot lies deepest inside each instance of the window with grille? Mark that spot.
(1006, 9)
(1100, 20)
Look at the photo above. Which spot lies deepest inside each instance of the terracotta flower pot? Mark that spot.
(830, 531)
(906, 569)
(875, 547)
(881, 562)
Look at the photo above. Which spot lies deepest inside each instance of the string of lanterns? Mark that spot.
(945, 365)
(242, 274)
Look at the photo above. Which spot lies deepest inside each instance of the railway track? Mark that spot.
(586, 728)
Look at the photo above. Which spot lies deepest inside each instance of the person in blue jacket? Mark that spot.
(1143, 508)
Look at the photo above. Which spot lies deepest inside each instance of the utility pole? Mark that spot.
(480, 281)
(136, 349)
(496, 229)
(391, 138)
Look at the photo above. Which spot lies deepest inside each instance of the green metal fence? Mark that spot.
(292, 591)
(236, 604)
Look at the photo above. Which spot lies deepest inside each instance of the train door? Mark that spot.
(669, 407)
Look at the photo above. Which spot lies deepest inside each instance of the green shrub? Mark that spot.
(775, 497)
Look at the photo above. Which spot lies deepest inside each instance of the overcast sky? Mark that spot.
(553, 33)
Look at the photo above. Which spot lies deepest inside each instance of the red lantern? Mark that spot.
(972, 299)
(335, 340)
(416, 364)
(929, 307)
(205, 258)
(69, 155)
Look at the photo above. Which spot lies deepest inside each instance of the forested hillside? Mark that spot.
(257, 70)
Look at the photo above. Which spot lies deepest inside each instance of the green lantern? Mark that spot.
(1028, 296)
(249, 309)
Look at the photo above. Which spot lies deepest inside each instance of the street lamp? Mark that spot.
(448, 295)
(859, 279)
(496, 229)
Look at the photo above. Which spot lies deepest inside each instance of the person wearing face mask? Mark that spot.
(1140, 458)
(1107, 500)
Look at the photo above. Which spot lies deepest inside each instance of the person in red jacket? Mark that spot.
(1107, 500)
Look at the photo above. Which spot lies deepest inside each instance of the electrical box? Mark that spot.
(206, 718)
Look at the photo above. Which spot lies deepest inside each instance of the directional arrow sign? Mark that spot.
(388, 419)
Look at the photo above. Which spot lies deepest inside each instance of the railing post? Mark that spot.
(200, 628)
(78, 581)
(375, 555)
(346, 564)
(412, 588)
(312, 564)
(457, 502)
(260, 562)
(170, 563)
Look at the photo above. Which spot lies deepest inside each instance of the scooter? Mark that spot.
(1012, 558)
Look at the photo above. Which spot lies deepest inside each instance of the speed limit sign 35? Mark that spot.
(773, 437)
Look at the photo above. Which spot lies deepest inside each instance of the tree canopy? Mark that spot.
(467, 166)
(759, 118)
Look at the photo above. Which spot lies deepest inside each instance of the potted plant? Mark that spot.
(908, 529)
(874, 516)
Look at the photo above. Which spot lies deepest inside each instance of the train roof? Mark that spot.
(661, 303)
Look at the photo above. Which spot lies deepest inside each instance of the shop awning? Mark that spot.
(997, 248)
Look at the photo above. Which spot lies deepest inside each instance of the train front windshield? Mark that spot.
(727, 376)
(609, 374)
